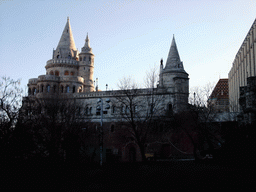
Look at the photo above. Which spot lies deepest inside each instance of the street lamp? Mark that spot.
(101, 125)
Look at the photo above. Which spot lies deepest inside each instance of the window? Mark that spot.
(74, 89)
(54, 89)
(57, 73)
(80, 58)
(67, 89)
(113, 109)
(29, 91)
(48, 88)
(84, 58)
(98, 108)
(34, 91)
(170, 107)
(86, 111)
(42, 88)
(66, 73)
(62, 89)
(90, 111)
(51, 72)
(127, 110)
(71, 73)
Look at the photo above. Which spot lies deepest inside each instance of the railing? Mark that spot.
(33, 81)
(48, 77)
(62, 61)
(75, 79)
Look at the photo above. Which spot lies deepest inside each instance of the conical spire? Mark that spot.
(173, 60)
(66, 47)
(87, 48)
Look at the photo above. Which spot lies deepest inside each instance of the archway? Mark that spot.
(132, 154)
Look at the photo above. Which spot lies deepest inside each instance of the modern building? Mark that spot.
(243, 67)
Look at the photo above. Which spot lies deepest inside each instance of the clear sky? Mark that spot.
(127, 36)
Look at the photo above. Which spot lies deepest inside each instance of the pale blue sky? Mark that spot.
(127, 36)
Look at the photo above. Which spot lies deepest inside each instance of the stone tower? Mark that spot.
(174, 79)
(68, 71)
(86, 66)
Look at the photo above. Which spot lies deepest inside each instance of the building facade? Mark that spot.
(69, 74)
(244, 66)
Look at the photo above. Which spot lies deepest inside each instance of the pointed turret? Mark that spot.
(173, 60)
(66, 47)
(87, 48)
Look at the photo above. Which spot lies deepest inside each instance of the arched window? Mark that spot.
(66, 73)
(72, 73)
(80, 58)
(67, 89)
(90, 111)
(48, 88)
(169, 107)
(58, 56)
(42, 88)
(29, 91)
(87, 111)
(69, 57)
(84, 58)
(51, 72)
(54, 89)
(34, 91)
(74, 89)
(62, 89)
(113, 109)
(57, 73)
(127, 110)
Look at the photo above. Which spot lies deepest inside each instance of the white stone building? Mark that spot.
(70, 73)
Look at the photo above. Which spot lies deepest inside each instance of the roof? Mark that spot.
(220, 90)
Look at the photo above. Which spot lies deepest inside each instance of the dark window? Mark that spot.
(113, 109)
(48, 88)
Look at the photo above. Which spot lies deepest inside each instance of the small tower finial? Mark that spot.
(68, 19)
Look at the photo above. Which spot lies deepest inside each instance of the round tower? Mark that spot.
(174, 79)
(86, 66)
(62, 69)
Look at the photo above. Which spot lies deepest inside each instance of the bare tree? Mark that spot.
(203, 115)
(139, 108)
(57, 125)
(10, 103)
